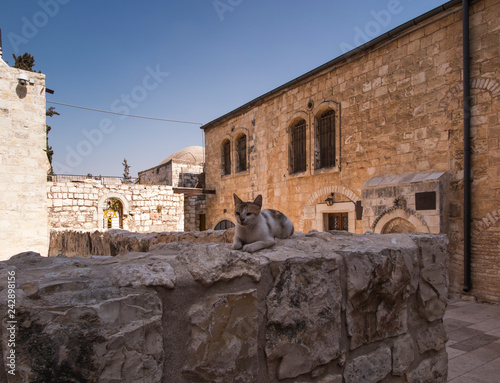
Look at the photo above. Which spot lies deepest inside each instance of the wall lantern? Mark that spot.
(329, 201)
(358, 207)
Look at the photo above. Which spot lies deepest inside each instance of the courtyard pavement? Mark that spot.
(474, 342)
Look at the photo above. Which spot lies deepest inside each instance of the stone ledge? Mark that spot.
(314, 308)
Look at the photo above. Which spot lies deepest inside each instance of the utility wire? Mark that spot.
(123, 114)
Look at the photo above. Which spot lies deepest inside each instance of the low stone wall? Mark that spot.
(319, 307)
(146, 208)
(72, 243)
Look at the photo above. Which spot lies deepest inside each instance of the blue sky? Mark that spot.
(187, 60)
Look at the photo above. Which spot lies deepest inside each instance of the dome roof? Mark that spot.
(191, 154)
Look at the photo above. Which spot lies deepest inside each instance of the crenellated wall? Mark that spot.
(319, 307)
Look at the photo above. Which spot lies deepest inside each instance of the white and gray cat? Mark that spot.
(256, 228)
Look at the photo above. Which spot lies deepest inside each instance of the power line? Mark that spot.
(123, 114)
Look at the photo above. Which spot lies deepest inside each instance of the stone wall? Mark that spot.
(195, 210)
(319, 307)
(174, 173)
(398, 107)
(23, 163)
(146, 208)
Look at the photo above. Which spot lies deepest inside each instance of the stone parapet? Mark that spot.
(319, 307)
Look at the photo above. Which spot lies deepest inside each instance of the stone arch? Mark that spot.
(324, 106)
(101, 206)
(322, 194)
(489, 84)
(299, 115)
(482, 225)
(406, 216)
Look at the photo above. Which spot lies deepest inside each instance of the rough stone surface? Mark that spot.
(223, 345)
(201, 312)
(303, 315)
(73, 243)
(369, 368)
(403, 355)
(378, 286)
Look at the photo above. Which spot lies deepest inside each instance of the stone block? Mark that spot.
(369, 368)
(378, 286)
(303, 321)
(223, 342)
(402, 355)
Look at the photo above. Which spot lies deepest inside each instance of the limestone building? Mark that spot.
(374, 141)
(182, 170)
(23, 162)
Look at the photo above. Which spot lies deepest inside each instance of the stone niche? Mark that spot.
(319, 307)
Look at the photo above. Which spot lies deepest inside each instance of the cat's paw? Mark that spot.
(250, 248)
(236, 246)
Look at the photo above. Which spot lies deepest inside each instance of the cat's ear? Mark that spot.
(237, 200)
(258, 201)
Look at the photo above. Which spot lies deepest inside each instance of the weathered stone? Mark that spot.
(212, 263)
(369, 368)
(303, 328)
(223, 343)
(151, 274)
(378, 285)
(74, 324)
(433, 286)
(194, 312)
(402, 355)
(72, 243)
(432, 370)
(432, 338)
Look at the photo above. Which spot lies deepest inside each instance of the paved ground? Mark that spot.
(474, 342)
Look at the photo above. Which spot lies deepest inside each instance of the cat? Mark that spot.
(255, 229)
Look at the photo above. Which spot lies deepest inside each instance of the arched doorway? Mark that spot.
(112, 211)
(113, 214)
(400, 220)
(398, 225)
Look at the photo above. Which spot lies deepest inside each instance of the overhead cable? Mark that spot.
(124, 114)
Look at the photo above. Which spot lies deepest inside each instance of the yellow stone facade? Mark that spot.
(398, 111)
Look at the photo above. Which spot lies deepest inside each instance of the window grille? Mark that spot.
(241, 148)
(325, 136)
(226, 157)
(298, 155)
(224, 225)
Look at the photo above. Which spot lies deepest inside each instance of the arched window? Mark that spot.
(241, 153)
(298, 147)
(325, 140)
(226, 158)
(224, 225)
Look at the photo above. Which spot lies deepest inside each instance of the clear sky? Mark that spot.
(187, 60)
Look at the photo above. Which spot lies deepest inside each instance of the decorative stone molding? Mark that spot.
(400, 212)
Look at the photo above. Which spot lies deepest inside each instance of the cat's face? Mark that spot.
(247, 212)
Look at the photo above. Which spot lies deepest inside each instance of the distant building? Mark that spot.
(181, 169)
(374, 141)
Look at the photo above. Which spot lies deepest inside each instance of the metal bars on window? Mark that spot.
(241, 152)
(226, 157)
(298, 155)
(325, 136)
